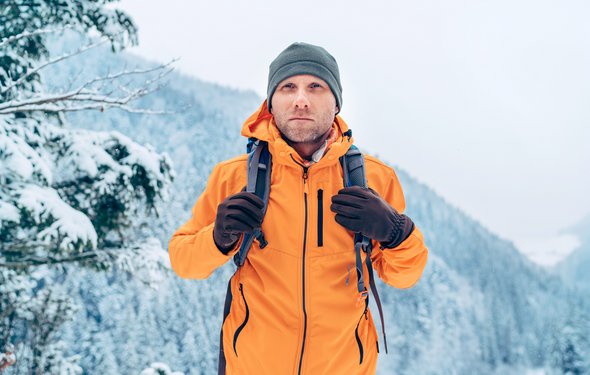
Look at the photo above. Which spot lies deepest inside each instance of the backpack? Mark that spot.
(259, 173)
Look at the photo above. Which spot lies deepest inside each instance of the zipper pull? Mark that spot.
(305, 187)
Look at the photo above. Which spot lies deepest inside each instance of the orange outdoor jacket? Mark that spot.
(294, 307)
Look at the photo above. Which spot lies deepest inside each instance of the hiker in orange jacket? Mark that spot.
(293, 306)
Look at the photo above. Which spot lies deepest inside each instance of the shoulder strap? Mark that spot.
(259, 171)
(353, 170)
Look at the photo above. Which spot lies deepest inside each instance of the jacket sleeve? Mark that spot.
(401, 266)
(193, 253)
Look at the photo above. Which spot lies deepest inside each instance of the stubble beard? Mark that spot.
(310, 132)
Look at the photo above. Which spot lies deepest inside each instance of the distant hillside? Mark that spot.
(575, 268)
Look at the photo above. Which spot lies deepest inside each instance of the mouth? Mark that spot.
(301, 118)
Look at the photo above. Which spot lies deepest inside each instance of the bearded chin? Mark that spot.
(296, 136)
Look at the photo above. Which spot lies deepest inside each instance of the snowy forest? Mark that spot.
(102, 156)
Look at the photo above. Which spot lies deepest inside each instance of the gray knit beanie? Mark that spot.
(303, 58)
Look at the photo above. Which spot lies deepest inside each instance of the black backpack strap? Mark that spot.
(353, 168)
(376, 296)
(228, 297)
(259, 173)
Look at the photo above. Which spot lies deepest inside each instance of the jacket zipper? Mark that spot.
(305, 189)
(320, 217)
(241, 327)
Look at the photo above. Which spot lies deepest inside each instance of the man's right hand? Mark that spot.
(238, 213)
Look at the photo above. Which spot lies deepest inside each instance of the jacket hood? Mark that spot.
(261, 125)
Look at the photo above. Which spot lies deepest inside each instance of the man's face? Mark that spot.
(303, 107)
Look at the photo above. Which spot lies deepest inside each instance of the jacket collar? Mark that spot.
(261, 125)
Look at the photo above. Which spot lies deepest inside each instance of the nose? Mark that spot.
(301, 99)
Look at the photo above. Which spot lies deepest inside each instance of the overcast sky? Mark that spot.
(487, 102)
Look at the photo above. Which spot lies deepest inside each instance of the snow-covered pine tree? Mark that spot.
(67, 197)
(570, 342)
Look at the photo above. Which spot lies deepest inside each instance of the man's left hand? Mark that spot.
(362, 210)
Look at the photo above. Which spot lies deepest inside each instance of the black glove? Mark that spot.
(362, 210)
(237, 214)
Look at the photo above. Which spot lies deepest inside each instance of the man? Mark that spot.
(294, 303)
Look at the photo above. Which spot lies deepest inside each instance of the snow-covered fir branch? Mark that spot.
(145, 260)
(67, 193)
(28, 261)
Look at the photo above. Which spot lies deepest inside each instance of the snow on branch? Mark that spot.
(145, 261)
(88, 96)
(31, 260)
(59, 225)
(65, 194)
(28, 34)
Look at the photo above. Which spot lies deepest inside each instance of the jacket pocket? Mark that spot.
(358, 339)
(243, 325)
(320, 217)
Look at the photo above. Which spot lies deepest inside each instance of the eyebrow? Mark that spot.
(307, 84)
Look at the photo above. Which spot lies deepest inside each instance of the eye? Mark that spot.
(288, 86)
(315, 85)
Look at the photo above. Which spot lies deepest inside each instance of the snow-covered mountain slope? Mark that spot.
(574, 268)
(481, 307)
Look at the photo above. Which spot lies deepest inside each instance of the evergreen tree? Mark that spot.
(571, 343)
(66, 196)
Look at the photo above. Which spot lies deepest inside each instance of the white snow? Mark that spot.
(69, 223)
(16, 161)
(86, 153)
(143, 155)
(21, 160)
(8, 212)
(146, 261)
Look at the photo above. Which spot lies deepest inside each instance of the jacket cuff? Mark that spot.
(402, 228)
(225, 250)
